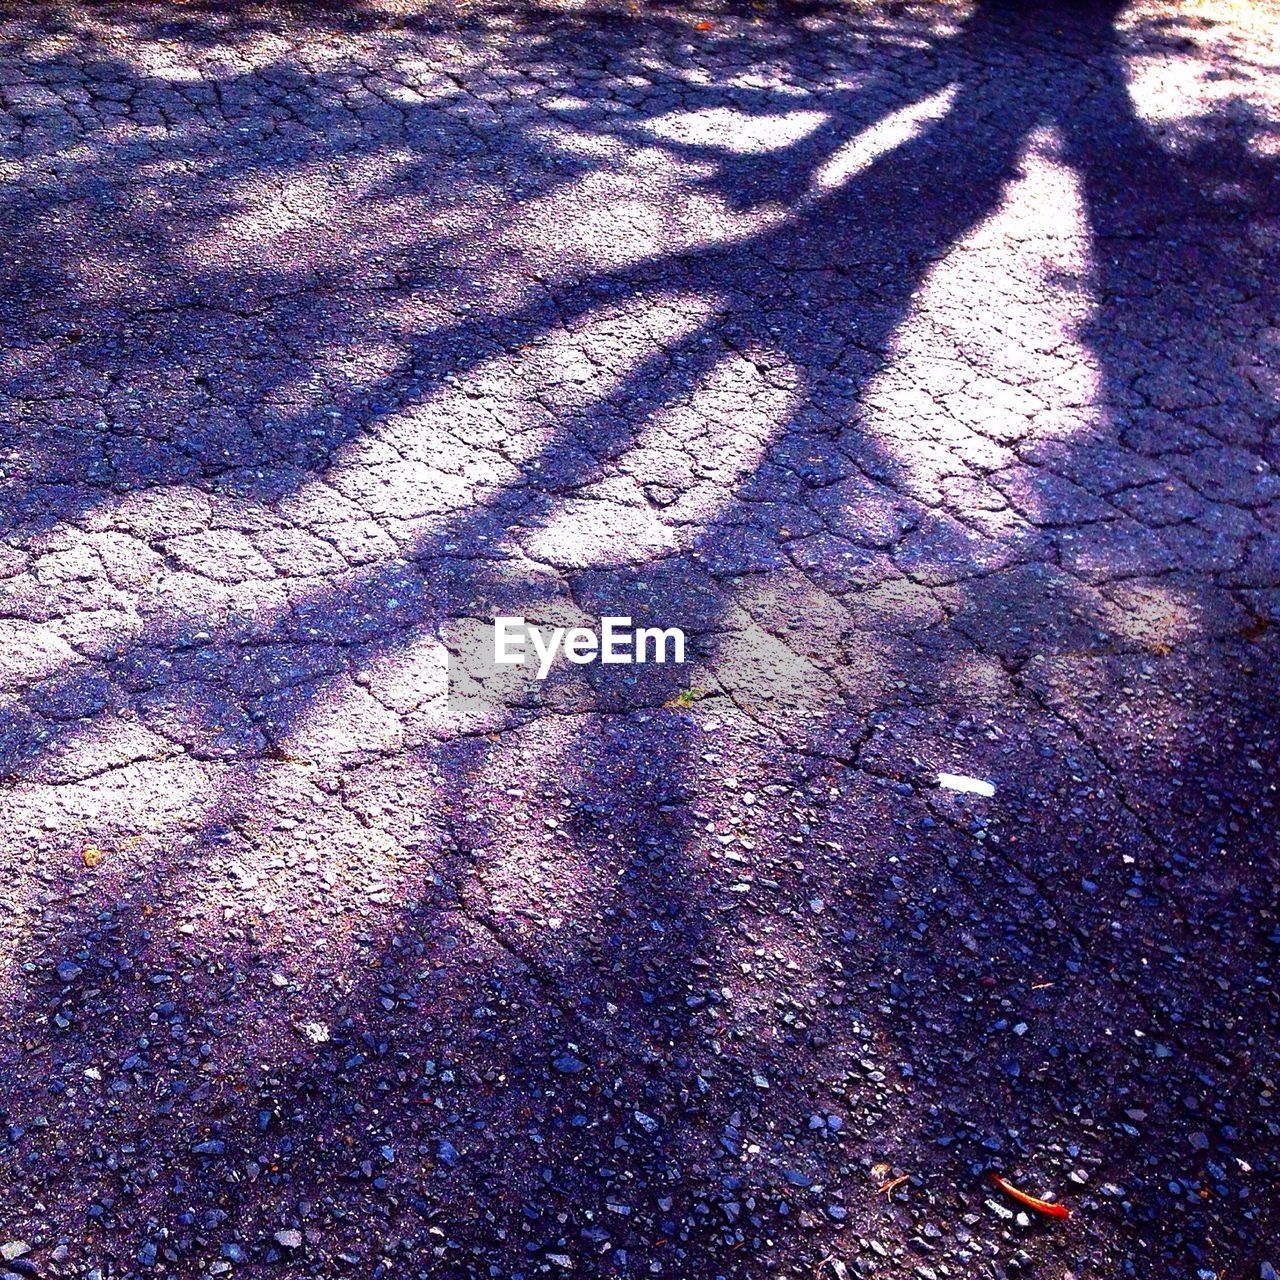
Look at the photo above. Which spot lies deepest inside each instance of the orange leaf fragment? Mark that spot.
(1047, 1207)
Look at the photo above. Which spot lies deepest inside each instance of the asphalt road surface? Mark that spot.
(921, 364)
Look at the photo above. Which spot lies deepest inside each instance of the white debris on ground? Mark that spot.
(962, 782)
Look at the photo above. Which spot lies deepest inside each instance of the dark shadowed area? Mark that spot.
(922, 363)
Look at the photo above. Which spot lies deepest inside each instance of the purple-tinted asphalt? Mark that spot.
(922, 364)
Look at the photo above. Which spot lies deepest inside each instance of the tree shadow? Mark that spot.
(1009, 594)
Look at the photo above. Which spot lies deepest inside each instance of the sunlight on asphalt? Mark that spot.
(880, 139)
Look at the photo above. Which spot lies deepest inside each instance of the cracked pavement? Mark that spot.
(921, 363)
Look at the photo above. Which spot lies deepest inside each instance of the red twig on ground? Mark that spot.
(1047, 1207)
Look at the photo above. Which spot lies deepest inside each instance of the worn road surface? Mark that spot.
(922, 364)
